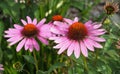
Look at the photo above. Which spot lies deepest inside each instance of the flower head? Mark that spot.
(1, 67)
(111, 8)
(26, 35)
(55, 27)
(77, 37)
(18, 66)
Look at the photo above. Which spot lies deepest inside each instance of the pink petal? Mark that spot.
(71, 48)
(63, 27)
(31, 49)
(77, 50)
(101, 30)
(12, 39)
(11, 35)
(36, 45)
(31, 45)
(29, 19)
(21, 44)
(58, 23)
(54, 38)
(45, 35)
(34, 21)
(97, 26)
(95, 44)
(14, 31)
(64, 47)
(43, 40)
(18, 26)
(45, 31)
(45, 28)
(41, 22)
(59, 40)
(75, 19)
(83, 49)
(55, 30)
(15, 41)
(97, 39)
(1, 69)
(27, 44)
(88, 23)
(68, 21)
(24, 22)
(88, 44)
(60, 44)
(96, 33)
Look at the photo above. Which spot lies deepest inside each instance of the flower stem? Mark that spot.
(96, 57)
(85, 64)
(26, 71)
(36, 62)
(104, 19)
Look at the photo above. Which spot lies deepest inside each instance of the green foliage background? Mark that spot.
(102, 61)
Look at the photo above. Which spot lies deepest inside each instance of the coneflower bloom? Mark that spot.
(56, 27)
(77, 37)
(1, 67)
(26, 35)
(111, 8)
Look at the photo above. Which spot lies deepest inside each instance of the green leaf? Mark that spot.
(30, 59)
(1, 30)
(71, 70)
(56, 65)
(113, 54)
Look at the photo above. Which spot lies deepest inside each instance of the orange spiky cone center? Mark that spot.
(29, 30)
(77, 31)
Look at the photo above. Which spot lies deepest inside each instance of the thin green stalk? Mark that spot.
(26, 71)
(96, 57)
(36, 62)
(85, 64)
(104, 19)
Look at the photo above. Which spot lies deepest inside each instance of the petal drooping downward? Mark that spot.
(83, 49)
(20, 45)
(77, 49)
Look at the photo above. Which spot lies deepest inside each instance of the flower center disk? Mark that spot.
(57, 18)
(110, 9)
(29, 30)
(77, 31)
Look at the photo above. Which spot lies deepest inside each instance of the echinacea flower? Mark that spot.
(77, 37)
(26, 35)
(1, 67)
(111, 8)
(59, 27)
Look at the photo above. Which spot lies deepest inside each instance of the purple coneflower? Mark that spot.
(77, 37)
(26, 35)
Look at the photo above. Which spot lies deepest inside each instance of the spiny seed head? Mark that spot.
(111, 8)
(29, 30)
(77, 31)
